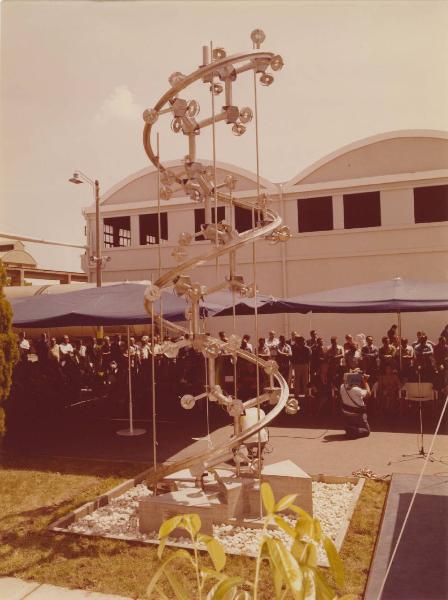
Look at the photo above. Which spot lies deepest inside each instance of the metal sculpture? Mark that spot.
(199, 182)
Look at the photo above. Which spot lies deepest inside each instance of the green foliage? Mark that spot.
(294, 571)
(8, 348)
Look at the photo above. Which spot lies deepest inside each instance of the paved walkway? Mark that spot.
(17, 589)
(419, 570)
(328, 451)
(317, 445)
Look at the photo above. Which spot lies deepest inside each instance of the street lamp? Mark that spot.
(80, 177)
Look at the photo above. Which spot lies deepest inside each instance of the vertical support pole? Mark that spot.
(98, 258)
(97, 229)
(232, 268)
(399, 339)
(131, 416)
(205, 56)
(211, 372)
(254, 268)
(159, 233)
(194, 314)
(154, 415)
(283, 255)
(131, 431)
(215, 183)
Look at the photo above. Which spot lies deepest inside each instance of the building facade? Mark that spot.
(373, 210)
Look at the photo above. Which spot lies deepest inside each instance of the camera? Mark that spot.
(357, 378)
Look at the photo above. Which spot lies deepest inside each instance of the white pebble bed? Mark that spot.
(119, 519)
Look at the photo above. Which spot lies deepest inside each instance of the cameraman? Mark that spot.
(354, 391)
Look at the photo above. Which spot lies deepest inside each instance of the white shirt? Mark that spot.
(24, 344)
(353, 397)
(66, 348)
(272, 345)
(145, 352)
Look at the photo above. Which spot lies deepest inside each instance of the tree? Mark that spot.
(9, 353)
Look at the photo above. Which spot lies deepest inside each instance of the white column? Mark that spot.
(338, 211)
(135, 230)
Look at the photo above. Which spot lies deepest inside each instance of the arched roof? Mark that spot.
(404, 151)
(12, 252)
(142, 185)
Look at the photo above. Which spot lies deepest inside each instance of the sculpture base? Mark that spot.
(224, 496)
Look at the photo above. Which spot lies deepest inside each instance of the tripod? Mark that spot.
(420, 398)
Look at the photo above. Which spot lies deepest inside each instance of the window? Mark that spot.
(199, 218)
(315, 214)
(117, 232)
(362, 210)
(149, 228)
(431, 204)
(243, 218)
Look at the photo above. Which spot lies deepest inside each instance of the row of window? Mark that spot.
(314, 214)
(117, 230)
(364, 209)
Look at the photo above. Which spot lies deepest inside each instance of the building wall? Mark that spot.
(315, 260)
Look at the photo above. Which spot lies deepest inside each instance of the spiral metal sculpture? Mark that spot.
(199, 182)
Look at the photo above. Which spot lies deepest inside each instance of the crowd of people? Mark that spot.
(313, 368)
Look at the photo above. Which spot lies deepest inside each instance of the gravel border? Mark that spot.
(116, 518)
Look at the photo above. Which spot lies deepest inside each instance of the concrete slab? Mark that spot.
(154, 510)
(16, 589)
(284, 468)
(52, 592)
(420, 567)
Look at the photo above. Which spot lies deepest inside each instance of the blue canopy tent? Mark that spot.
(120, 304)
(116, 304)
(221, 304)
(390, 296)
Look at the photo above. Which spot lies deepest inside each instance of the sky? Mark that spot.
(76, 77)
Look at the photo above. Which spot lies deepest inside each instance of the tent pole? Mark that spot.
(131, 419)
(131, 432)
(399, 339)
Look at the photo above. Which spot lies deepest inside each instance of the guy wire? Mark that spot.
(254, 270)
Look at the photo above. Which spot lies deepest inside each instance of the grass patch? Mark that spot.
(359, 542)
(37, 491)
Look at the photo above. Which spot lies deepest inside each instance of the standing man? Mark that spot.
(272, 343)
(300, 364)
(406, 354)
(335, 354)
(66, 350)
(43, 349)
(424, 358)
(312, 341)
(369, 354)
(386, 354)
(24, 346)
(283, 357)
(317, 356)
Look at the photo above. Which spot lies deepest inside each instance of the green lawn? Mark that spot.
(36, 491)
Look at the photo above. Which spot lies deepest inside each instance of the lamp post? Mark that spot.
(80, 177)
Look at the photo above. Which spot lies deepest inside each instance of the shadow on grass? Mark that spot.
(73, 466)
